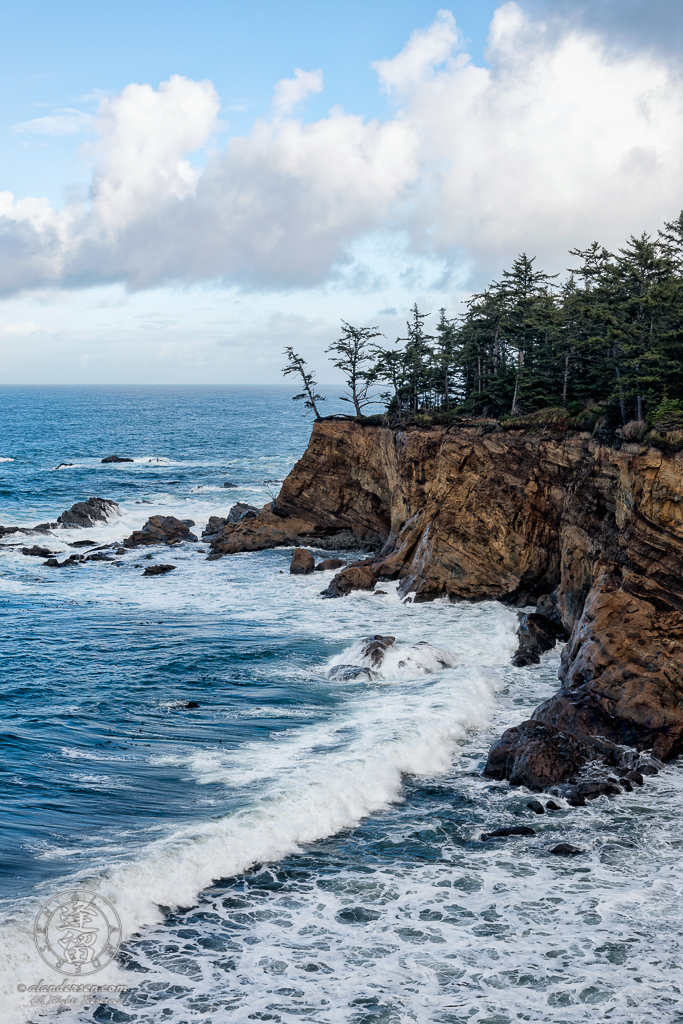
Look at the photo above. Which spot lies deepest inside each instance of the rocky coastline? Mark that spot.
(588, 531)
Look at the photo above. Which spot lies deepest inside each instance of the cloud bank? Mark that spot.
(556, 141)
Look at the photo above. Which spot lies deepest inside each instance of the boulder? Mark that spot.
(536, 755)
(348, 672)
(330, 563)
(89, 512)
(228, 483)
(116, 458)
(536, 806)
(161, 530)
(158, 570)
(214, 526)
(537, 634)
(355, 577)
(302, 562)
(241, 511)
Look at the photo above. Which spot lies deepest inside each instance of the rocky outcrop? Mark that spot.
(116, 458)
(330, 563)
(158, 570)
(302, 562)
(89, 512)
(161, 530)
(591, 533)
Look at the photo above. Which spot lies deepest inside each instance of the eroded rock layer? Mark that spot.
(591, 531)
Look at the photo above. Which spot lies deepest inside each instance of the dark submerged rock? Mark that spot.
(116, 458)
(161, 530)
(229, 483)
(504, 833)
(566, 850)
(88, 513)
(536, 806)
(192, 704)
(552, 806)
(302, 562)
(158, 570)
(330, 563)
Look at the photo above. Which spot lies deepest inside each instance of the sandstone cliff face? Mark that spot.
(478, 513)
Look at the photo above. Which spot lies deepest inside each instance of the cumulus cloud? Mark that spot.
(289, 92)
(557, 140)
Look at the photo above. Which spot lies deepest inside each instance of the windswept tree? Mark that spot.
(297, 365)
(353, 355)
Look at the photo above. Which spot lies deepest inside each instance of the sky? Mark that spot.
(185, 189)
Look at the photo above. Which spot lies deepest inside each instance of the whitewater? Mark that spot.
(304, 843)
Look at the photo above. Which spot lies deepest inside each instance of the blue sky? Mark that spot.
(178, 201)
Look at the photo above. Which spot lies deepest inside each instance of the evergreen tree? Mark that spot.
(297, 365)
(354, 357)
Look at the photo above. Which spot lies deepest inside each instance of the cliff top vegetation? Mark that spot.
(600, 351)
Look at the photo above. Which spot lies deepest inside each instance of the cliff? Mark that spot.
(591, 533)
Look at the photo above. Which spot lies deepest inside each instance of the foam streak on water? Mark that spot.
(305, 844)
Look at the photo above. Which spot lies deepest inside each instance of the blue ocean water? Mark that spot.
(298, 847)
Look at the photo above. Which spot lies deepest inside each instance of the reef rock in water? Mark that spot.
(380, 657)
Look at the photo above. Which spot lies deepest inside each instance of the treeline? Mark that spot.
(610, 334)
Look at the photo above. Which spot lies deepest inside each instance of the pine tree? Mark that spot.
(297, 365)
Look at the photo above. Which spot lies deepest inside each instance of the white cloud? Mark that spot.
(425, 50)
(63, 122)
(290, 91)
(21, 329)
(553, 143)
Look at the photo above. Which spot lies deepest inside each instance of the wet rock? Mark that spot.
(89, 512)
(229, 483)
(52, 562)
(82, 543)
(536, 806)
(379, 593)
(330, 563)
(566, 850)
(5, 531)
(355, 577)
(161, 530)
(120, 551)
(302, 562)
(116, 458)
(214, 526)
(536, 755)
(504, 833)
(192, 704)
(348, 672)
(537, 634)
(375, 648)
(63, 464)
(158, 570)
(552, 806)
(37, 552)
(241, 511)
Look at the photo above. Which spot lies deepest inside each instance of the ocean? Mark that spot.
(298, 847)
